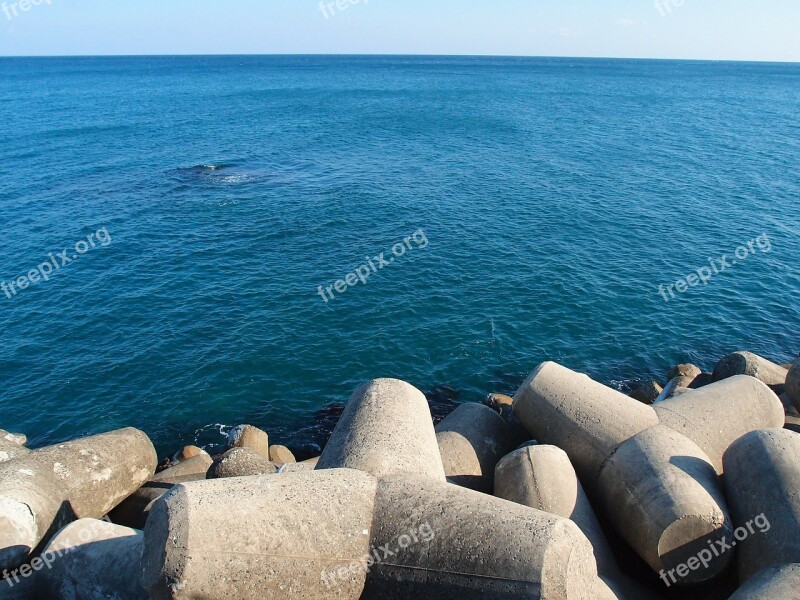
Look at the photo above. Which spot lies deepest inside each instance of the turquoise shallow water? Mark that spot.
(554, 195)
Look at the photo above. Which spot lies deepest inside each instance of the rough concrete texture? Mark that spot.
(261, 538)
(684, 370)
(20, 439)
(190, 452)
(542, 477)
(94, 560)
(100, 471)
(675, 387)
(11, 450)
(793, 385)
(472, 439)
(240, 462)
(83, 478)
(648, 392)
(762, 478)
(31, 505)
(196, 465)
(662, 494)
(777, 583)
(306, 465)
(134, 510)
(747, 363)
(281, 455)
(247, 436)
(386, 429)
(472, 546)
(715, 416)
(584, 418)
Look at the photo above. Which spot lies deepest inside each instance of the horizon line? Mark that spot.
(402, 55)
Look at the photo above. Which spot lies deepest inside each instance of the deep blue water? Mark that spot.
(554, 197)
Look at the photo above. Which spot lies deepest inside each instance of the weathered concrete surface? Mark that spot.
(247, 436)
(240, 462)
(386, 429)
(472, 439)
(747, 363)
(662, 494)
(687, 370)
(472, 546)
(100, 471)
(675, 387)
(31, 501)
(20, 439)
(260, 538)
(715, 416)
(93, 560)
(542, 477)
(281, 455)
(584, 418)
(134, 510)
(83, 478)
(306, 465)
(190, 452)
(11, 450)
(776, 583)
(762, 478)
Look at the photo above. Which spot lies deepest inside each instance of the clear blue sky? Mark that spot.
(730, 29)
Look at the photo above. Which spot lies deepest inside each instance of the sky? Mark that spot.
(764, 30)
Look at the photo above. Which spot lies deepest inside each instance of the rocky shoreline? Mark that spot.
(687, 488)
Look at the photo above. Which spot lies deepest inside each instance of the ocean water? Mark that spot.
(542, 203)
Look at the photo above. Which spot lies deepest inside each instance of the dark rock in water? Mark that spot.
(648, 392)
(702, 380)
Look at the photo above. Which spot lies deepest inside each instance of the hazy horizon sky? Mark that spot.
(739, 30)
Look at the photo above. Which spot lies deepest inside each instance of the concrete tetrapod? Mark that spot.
(385, 429)
(10, 450)
(261, 537)
(445, 542)
(31, 506)
(90, 476)
(134, 510)
(662, 494)
(715, 416)
(94, 560)
(776, 583)
(472, 439)
(542, 477)
(583, 417)
(747, 363)
(762, 478)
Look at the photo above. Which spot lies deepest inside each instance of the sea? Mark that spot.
(195, 242)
